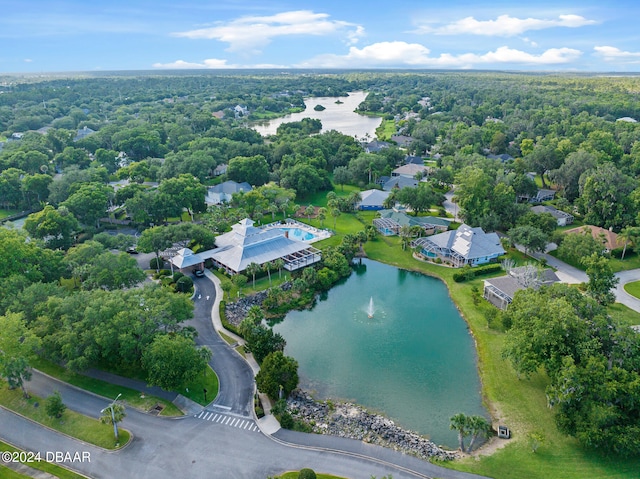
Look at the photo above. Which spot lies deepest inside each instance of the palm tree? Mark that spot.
(252, 269)
(405, 235)
(322, 215)
(279, 263)
(478, 425)
(113, 414)
(459, 423)
(268, 266)
(354, 199)
(309, 211)
(631, 237)
(273, 209)
(335, 212)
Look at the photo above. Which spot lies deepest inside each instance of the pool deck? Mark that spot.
(291, 223)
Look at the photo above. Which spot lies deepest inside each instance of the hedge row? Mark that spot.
(468, 273)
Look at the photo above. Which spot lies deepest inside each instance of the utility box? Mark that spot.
(503, 432)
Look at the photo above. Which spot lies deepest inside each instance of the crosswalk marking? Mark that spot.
(228, 420)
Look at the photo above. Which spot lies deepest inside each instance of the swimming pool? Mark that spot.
(298, 234)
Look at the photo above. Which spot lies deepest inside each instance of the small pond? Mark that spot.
(414, 360)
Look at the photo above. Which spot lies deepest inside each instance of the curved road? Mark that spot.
(222, 441)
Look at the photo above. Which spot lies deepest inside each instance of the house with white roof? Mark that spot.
(246, 244)
(463, 246)
(373, 199)
(562, 218)
(410, 170)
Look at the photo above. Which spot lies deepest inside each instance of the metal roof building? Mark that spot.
(246, 244)
(463, 246)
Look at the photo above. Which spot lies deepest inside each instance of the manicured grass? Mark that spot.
(631, 261)
(262, 283)
(517, 403)
(131, 397)
(386, 129)
(7, 473)
(195, 389)
(624, 314)
(71, 423)
(633, 289)
(58, 471)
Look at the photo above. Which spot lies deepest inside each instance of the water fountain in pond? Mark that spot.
(370, 309)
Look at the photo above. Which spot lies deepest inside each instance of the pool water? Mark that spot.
(298, 234)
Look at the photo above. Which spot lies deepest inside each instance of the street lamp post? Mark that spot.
(113, 417)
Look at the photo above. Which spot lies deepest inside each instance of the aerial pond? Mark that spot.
(392, 341)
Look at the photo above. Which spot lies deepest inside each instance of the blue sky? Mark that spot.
(73, 35)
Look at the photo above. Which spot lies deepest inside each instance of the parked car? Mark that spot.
(132, 250)
(199, 273)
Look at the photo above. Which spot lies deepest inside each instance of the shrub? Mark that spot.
(184, 284)
(54, 405)
(177, 275)
(306, 473)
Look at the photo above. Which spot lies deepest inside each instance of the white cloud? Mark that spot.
(181, 64)
(211, 63)
(504, 25)
(615, 54)
(251, 33)
(28, 60)
(415, 55)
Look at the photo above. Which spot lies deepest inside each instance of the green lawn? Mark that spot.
(195, 389)
(518, 403)
(58, 471)
(386, 129)
(631, 261)
(624, 314)
(633, 289)
(71, 423)
(5, 213)
(131, 397)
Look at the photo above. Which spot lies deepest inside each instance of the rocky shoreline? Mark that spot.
(353, 421)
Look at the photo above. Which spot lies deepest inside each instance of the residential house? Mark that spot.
(403, 141)
(416, 160)
(220, 169)
(373, 199)
(463, 246)
(375, 146)
(561, 217)
(400, 182)
(390, 222)
(223, 192)
(501, 290)
(410, 170)
(609, 239)
(83, 133)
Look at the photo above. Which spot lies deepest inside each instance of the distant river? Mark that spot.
(336, 116)
(414, 360)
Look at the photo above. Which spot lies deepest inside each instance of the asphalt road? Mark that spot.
(235, 375)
